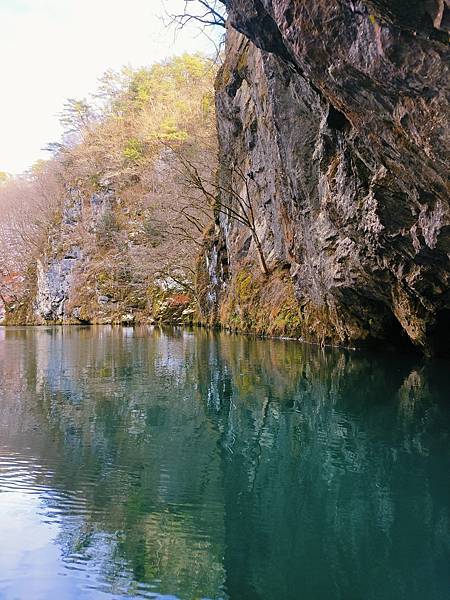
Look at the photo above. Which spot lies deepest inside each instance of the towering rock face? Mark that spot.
(335, 114)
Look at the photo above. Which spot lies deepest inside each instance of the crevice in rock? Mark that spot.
(336, 120)
(289, 16)
(235, 84)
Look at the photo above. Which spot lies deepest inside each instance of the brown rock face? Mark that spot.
(336, 112)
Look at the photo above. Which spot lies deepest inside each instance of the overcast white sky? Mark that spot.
(51, 50)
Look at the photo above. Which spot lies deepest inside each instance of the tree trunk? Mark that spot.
(262, 260)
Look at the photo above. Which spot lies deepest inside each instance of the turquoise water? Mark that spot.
(193, 465)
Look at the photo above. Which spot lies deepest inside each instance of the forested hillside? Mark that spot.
(109, 229)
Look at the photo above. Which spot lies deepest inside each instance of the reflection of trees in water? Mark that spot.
(304, 468)
(104, 405)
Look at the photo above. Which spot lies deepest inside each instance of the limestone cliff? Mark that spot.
(336, 113)
(54, 285)
(94, 268)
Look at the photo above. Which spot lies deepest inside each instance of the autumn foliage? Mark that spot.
(114, 187)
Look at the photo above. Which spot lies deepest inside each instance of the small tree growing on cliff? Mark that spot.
(236, 205)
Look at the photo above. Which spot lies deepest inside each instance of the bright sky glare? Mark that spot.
(51, 50)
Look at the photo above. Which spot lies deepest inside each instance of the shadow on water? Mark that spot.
(206, 465)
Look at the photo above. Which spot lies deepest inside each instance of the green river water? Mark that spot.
(195, 465)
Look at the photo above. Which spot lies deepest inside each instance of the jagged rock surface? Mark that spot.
(56, 270)
(336, 111)
(54, 284)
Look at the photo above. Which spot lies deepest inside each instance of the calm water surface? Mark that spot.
(138, 463)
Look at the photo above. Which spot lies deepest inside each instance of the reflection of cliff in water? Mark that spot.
(332, 460)
(266, 467)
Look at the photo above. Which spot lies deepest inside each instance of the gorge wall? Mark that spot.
(334, 115)
(87, 273)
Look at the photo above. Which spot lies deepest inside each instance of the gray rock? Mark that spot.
(72, 208)
(76, 313)
(337, 112)
(54, 282)
(127, 319)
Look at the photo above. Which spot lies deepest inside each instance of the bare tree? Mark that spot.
(207, 13)
(28, 206)
(237, 205)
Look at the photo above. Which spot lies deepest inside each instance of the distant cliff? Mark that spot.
(336, 114)
(87, 274)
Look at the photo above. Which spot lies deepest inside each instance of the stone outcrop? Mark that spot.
(54, 285)
(63, 294)
(335, 114)
(55, 270)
